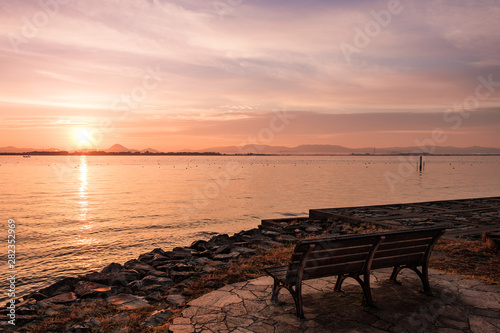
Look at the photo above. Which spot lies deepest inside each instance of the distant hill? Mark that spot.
(11, 149)
(117, 148)
(340, 150)
(283, 150)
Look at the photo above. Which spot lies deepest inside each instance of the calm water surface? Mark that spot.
(75, 214)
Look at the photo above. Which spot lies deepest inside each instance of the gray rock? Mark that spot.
(61, 298)
(139, 266)
(157, 318)
(60, 287)
(155, 296)
(113, 279)
(176, 299)
(127, 302)
(112, 268)
(87, 289)
(152, 279)
(199, 245)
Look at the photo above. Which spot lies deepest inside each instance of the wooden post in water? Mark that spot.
(420, 164)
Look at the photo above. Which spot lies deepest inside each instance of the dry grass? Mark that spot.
(240, 270)
(478, 260)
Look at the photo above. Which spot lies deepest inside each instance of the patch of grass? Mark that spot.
(240, 270)
(471, 259)
(76, 314)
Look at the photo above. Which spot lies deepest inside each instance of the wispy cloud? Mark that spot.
(259, 54)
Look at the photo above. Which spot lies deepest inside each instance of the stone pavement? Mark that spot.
(458, 305)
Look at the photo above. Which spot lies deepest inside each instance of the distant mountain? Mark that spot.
(283, 150)
(11, 149)
(149, 150)
(117, 148)
(340, 150)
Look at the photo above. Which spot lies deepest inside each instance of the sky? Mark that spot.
(192, 74)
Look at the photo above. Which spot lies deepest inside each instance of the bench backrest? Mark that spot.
(332, 256)
(406, 247)
(354, 253)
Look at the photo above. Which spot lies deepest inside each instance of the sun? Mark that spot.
(82, 136)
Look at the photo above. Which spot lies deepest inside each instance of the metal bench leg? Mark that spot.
(276, 290)
(338, 284)
(425, 280)
(297, 297)
(424, 277)
(395, 273)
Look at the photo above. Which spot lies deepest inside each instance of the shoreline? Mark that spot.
(164, 280)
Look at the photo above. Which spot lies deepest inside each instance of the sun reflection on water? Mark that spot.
(83, 195)
(86, 225)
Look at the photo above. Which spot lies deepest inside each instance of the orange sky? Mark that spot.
(176, 75)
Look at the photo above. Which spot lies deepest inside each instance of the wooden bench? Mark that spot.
(355, 256)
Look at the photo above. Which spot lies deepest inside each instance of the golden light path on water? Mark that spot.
(84, 238)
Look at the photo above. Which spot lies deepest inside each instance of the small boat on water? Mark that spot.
(26, 156)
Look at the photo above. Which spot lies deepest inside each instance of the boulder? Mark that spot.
(159, 251)
(61, 298)
(113, 268)
(199, 245)
(139, 266)
(60, 287)
(113, 279)
(152, 279)
(176, 299)
(87, 289)
(157, 318)
(128, 302)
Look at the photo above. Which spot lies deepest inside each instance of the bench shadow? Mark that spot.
(402, 307)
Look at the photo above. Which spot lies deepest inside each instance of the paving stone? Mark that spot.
(481, 299)
(236, 310)
(182, 321)
(181, 328)
(215, 299)
(265, 281)
(254, 306)
(481, 325)
(261, 327)
(289, 319)
(245, 294)
(216, 327)
(208, 318)
(238, 322)
(242, 330)
(452, 323)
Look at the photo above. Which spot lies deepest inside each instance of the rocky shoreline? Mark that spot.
(157, 279)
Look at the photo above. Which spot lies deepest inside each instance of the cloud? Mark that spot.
(261, 54)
